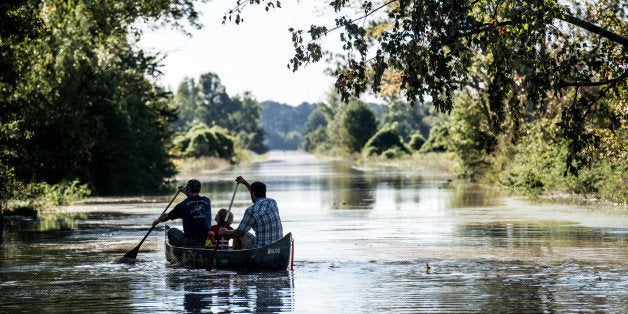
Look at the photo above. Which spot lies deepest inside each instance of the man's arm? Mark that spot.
(240, 179)
(230, 233)
(162, 218)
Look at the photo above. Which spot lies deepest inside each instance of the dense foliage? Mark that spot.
(410, 119)
(76, 101)
(500, 68)
(203, 141)
(416, 141)
(19, 23)
(386, 139)
(206, 101)
(329, 130)
(357, 125)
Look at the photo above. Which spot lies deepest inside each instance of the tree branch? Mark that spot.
(595, 29)
(591, 84)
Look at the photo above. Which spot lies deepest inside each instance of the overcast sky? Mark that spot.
(251, 56)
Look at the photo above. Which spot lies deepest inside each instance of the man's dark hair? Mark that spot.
(194, 186)
(259, 189)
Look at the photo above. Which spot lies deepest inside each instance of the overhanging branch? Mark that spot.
(595, 29)
(591, 84)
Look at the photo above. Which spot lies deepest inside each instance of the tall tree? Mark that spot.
(19, 24)
(357, 125)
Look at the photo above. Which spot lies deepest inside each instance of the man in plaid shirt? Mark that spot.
(262, 217)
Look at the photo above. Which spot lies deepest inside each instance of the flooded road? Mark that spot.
(365, 241)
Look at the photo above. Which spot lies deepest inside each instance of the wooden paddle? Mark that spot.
(211, 259)
(129, 257)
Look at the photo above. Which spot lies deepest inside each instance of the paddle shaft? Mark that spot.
(137, 248)
(232, 198)
(211, 260)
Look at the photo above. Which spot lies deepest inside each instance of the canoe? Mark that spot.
(275, 256)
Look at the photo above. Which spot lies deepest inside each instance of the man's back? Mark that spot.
(195, 213)
(263, 218)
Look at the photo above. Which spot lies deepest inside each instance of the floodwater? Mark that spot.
(365, 241)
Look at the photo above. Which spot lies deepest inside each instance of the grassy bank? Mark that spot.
(206, 166)
(430, 162)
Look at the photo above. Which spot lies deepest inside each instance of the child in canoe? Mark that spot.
(220, 223)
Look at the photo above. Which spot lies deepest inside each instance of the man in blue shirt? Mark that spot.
(196, 215)
(262, 217)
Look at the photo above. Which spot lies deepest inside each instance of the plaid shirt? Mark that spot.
(263, 218)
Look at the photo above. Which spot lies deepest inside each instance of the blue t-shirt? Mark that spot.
(196, 214)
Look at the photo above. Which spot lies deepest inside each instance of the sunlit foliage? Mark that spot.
(386, 139)
(203, 141)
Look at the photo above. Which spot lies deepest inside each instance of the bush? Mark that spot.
(65, 192)
(202, 141)
(438, 141)
(317, 140)
(394, 152)
(416, 141)
(385, 139)
(538, 163)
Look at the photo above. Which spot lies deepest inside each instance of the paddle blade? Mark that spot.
(129, 257)
(132, 253)
(125, 260)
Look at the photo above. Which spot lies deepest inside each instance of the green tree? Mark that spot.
(317, 141)
(357, 125)
(438, 141)
(245, 120)
(470, 138)
(207, 101)
(81, 97)
(385, 139)
(285, 124)
(19, 24)
(185, 100)
(201, 140)
(531, 50)
(315, 135)
(416, 141)
(315, 120)
(411, 119)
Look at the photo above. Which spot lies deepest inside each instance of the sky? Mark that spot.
(252, 56)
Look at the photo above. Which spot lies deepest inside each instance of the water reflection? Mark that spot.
(262, 292)
(475, 195)
(531, 233)
(354, 190)
(363, 238)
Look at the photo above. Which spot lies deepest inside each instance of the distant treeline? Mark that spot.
(284, 124)
(293, 128)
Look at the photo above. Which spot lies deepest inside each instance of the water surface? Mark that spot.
(365, 241)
